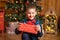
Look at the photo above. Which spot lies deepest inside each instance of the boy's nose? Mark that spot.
(31, 15)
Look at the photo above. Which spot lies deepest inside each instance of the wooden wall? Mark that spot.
(2, 4)
(52, 4)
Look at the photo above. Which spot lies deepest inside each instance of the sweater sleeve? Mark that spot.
(39, 33)
(17, 31)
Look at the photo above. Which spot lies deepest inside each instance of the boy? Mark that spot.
(30, 19)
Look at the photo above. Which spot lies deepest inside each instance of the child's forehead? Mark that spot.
(32, 10)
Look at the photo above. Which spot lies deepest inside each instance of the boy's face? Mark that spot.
(31, 13)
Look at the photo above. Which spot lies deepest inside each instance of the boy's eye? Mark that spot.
(29, 13)
(32, 12)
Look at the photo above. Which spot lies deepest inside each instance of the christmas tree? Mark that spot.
(18, 10)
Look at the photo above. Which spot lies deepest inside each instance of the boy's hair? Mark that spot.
(31, 6)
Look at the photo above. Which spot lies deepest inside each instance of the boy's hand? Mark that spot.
(38, 28)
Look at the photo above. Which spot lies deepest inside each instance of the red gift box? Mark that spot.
(2, 20)
(28, 28)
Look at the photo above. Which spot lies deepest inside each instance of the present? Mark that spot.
(27, 28)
